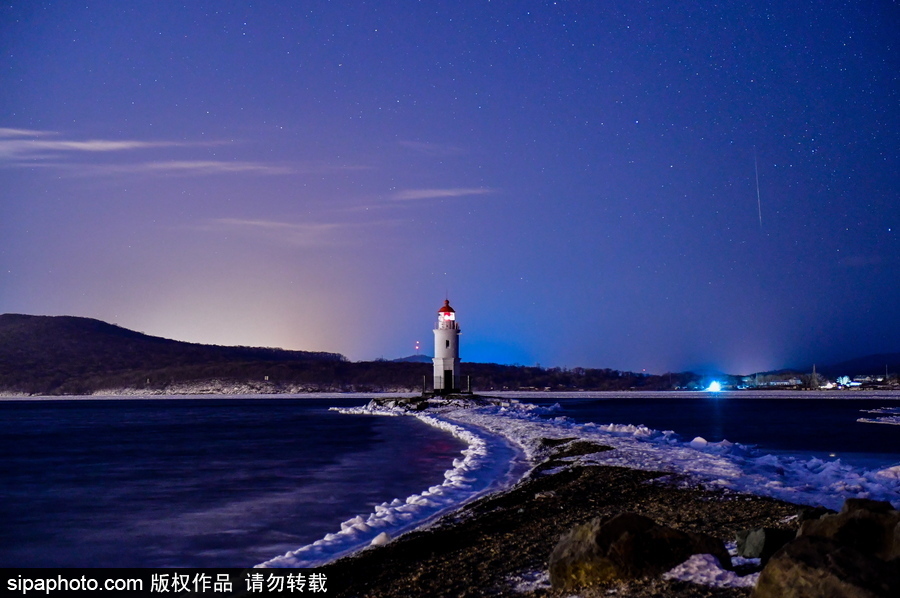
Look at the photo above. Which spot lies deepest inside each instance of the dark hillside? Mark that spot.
(62, 354)
(413, 359)
(492, 376)
(69, 355)
(44, 355)
(870, 365)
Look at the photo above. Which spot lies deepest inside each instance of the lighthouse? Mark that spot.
(446, 351)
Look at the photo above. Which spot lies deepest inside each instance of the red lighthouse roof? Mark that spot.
(446, 308)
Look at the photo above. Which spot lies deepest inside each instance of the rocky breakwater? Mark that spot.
(852, 554)
(625, 546)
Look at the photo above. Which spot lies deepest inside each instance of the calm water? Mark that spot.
(798, 426)
(197, 482)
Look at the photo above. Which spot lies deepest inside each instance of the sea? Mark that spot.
(197, 482)
(235, 481)
(805, 425)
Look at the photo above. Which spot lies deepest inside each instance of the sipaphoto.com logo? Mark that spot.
(25, 584)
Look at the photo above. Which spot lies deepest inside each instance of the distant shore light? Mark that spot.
(714, 386)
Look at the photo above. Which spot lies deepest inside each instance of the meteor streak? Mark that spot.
(758, 203)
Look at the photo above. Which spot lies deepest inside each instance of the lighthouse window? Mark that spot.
(448, 344)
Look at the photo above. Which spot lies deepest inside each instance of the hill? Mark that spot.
(870, 365)
(72, 355)
(414, 359)
(65, 355)
(56, 355)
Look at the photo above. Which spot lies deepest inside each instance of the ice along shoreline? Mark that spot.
(525, 427)
(490, 463)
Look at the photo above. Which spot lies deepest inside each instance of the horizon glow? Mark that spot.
(579, 180)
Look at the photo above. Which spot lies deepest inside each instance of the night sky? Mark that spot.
(578, 178)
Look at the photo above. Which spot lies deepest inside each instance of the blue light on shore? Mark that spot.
(714, 386)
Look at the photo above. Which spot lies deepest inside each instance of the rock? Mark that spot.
(854, 553)
(895, 551)
(816, 567)
(763, 542)
(626, 546)
(867, 504)
(807, 513)
(868, 526)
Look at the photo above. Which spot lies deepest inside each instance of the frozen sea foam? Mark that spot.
(722, 464)
(488, 464)
(883, 415)
(504, 441)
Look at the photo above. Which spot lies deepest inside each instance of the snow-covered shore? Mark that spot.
(885, 415)
(722, 464)
(506, 441)
(131, 394)
(490, 463)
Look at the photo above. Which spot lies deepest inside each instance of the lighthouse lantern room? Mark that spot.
(446, 351)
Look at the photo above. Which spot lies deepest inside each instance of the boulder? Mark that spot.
(816, 567)
(625, 546)
(763, 542)
(853, 554)
(868, 526)
(806, 513)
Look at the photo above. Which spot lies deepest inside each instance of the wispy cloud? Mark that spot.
(34, 148)
(30, 148)
(303, 234)
(26, 144)
(7, 132)
(308, 233)
(194, 167)
(413, 194)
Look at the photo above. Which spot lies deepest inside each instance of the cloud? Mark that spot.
(209, 167)
(93, 145)
(30, 148)
(195, 167)
(413, 194)
(306, 234)
(6, 132)
(26, 147)
(13, 147)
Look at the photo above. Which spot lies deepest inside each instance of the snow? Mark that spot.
(704, 569)
(886, 415)
(714, 464)
(488, 464)
(529, 582)
(891, 473)
(505, 441)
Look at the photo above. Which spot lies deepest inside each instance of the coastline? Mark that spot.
(224, 388)
(490, 464)
(130, 396)
(555, 447)
(500, 543)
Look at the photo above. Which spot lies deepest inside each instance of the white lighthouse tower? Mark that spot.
(446, 351)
